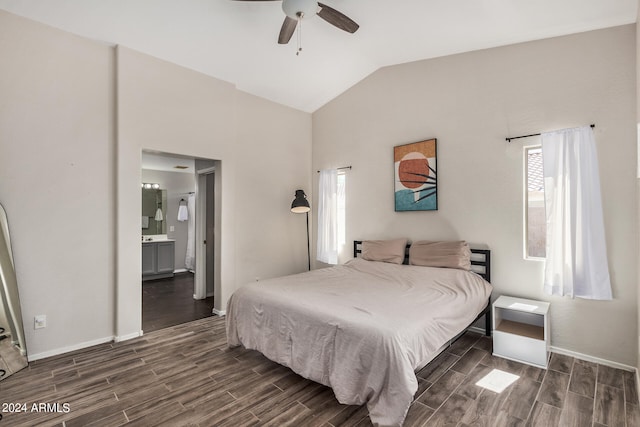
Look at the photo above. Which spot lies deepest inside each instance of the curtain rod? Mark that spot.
(344, 167)
(534, 134)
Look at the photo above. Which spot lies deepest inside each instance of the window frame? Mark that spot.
(525, 229)
(342, 210)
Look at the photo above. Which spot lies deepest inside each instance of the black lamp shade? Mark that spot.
(300, 204)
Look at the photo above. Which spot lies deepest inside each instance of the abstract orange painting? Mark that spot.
(416, 185)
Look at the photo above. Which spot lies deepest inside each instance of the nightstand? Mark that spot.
(521, 330)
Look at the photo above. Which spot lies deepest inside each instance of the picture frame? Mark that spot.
(416, 184)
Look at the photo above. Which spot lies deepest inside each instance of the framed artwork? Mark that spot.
(416, 184)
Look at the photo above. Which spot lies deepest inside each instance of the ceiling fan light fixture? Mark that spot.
(298, 9)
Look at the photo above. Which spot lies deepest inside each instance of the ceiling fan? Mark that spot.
(296, 10)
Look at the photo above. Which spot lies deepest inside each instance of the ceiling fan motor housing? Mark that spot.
(299, 8)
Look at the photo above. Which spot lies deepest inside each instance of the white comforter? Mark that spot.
(360, 328)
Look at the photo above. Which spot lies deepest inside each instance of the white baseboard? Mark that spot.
(128, 336)
(582, 356)
(180, 270)
(220, 313)
(37, 356)
(593, 359)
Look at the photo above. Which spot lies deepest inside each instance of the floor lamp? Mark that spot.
(301, 205)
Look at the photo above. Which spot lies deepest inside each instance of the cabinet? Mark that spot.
(158, 259)
(521, 330)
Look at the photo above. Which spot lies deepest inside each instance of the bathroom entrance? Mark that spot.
(177, 291)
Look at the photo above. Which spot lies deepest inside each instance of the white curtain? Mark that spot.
(576, 254)
(327, 250)
(190, 259)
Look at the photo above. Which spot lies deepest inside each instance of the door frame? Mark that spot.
(200, 283)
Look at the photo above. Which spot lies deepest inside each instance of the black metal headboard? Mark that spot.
(482, 265)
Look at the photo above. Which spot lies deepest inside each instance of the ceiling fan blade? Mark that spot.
(288, 27)
(337, 19)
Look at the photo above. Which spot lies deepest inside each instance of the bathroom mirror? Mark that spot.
(154, 212)
(13, 350)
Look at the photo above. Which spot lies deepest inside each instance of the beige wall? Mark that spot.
(166, 108)
(263, 149)
(274, 160)
(75, 116)
(57, 179)
(470, 103)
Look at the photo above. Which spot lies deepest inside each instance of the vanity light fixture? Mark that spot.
(149, 185)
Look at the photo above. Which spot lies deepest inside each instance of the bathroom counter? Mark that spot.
(158, 240)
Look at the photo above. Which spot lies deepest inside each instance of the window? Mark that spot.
(331, 215)
(341, 209)
(535, 220)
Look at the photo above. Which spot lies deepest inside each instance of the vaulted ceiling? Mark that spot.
(236, 41)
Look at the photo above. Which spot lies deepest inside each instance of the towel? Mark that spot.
(145, 222)
(183, 213)
(159, 215)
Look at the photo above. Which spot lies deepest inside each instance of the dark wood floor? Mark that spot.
(169, 302)
(186, 375)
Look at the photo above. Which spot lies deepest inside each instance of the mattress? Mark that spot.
(361, 328)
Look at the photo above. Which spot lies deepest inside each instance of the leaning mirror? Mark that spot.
(13, 350)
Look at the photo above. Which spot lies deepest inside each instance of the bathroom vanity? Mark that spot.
(157, 259)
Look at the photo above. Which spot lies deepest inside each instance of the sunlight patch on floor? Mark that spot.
(497, 380)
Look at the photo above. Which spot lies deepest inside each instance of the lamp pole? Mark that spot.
(301, 205)
(308, 244)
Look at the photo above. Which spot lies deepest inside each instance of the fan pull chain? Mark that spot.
(299, 35)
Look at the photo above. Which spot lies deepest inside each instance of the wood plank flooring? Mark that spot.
(11, 360)
(186, 375)
(169, 302)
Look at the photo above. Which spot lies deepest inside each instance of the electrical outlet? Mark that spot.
(172, 228)
(40, 321)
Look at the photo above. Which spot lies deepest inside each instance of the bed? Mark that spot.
(362, 328)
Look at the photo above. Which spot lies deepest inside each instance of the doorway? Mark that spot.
(185, 295)
(168, 302)
(205, 232)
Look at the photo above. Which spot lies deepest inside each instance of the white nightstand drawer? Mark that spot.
(520, 348)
